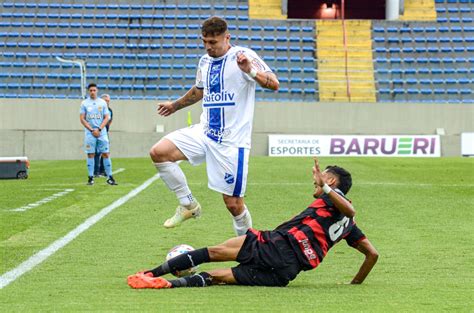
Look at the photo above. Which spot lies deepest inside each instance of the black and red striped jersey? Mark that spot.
(315, 230)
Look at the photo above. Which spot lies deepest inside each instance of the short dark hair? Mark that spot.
(214, 26)
(91, 85)
(345, 179)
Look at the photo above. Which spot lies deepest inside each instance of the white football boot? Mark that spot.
(183, 213)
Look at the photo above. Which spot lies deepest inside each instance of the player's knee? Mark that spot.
(234, 209)
(156, 155)
(234, 205)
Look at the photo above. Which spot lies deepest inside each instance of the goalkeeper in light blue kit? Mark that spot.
(94, 115)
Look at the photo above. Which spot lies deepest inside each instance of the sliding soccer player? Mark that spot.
(274, 258)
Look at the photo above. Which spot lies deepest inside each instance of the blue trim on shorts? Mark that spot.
(240, 173)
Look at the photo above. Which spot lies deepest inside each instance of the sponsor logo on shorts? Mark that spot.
(88, 146)
(229, 178)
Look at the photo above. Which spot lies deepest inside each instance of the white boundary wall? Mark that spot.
(50, 128)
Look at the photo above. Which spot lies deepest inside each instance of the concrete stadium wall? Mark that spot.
(47, 129)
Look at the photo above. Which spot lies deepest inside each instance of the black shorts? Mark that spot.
(266, 259)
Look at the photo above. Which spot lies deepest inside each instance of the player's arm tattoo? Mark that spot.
(191, 97)
(268, 80)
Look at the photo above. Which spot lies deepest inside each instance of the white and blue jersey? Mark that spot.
(94, 112)
(229, 97)
(223, 136)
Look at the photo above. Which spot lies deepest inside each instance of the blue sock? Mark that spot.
(108, 166)
(97, 163)
(90, 166)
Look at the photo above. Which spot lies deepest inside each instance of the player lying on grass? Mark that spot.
(274, 258)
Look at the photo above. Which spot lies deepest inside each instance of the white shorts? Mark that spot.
(227, 167)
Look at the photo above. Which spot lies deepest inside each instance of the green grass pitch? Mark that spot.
(417, 212)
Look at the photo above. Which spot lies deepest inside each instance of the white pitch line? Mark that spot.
(119, 170)
(42, 255)
(42, 201)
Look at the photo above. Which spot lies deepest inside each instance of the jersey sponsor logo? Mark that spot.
(94, 116)
(307, 249)
(216, 97)
(229, 178)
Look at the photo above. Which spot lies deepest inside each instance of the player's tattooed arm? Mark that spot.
(267, 80)
(371, 256)
(191, 97)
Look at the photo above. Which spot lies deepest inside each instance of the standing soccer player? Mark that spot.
(226, 80)
(99, 168)
(94, 115)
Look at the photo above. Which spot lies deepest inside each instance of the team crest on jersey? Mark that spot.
(214, 79)
(229, 178)
(100, 109)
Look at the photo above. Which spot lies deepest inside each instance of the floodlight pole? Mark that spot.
(82, 66)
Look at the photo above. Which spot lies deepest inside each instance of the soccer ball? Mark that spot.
(174, 252)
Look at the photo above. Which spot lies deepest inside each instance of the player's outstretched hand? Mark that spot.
(243, 62)
(166, 108)
(317, 175)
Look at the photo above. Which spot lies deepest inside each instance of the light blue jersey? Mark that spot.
(95, 112)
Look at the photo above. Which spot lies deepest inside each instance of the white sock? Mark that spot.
(242, 222)
(174, 178)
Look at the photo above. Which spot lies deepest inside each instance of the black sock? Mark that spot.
(202, 279)
(182, 262)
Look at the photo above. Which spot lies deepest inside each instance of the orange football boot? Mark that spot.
(140, 281)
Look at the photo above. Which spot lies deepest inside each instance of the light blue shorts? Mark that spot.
(93, 144)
